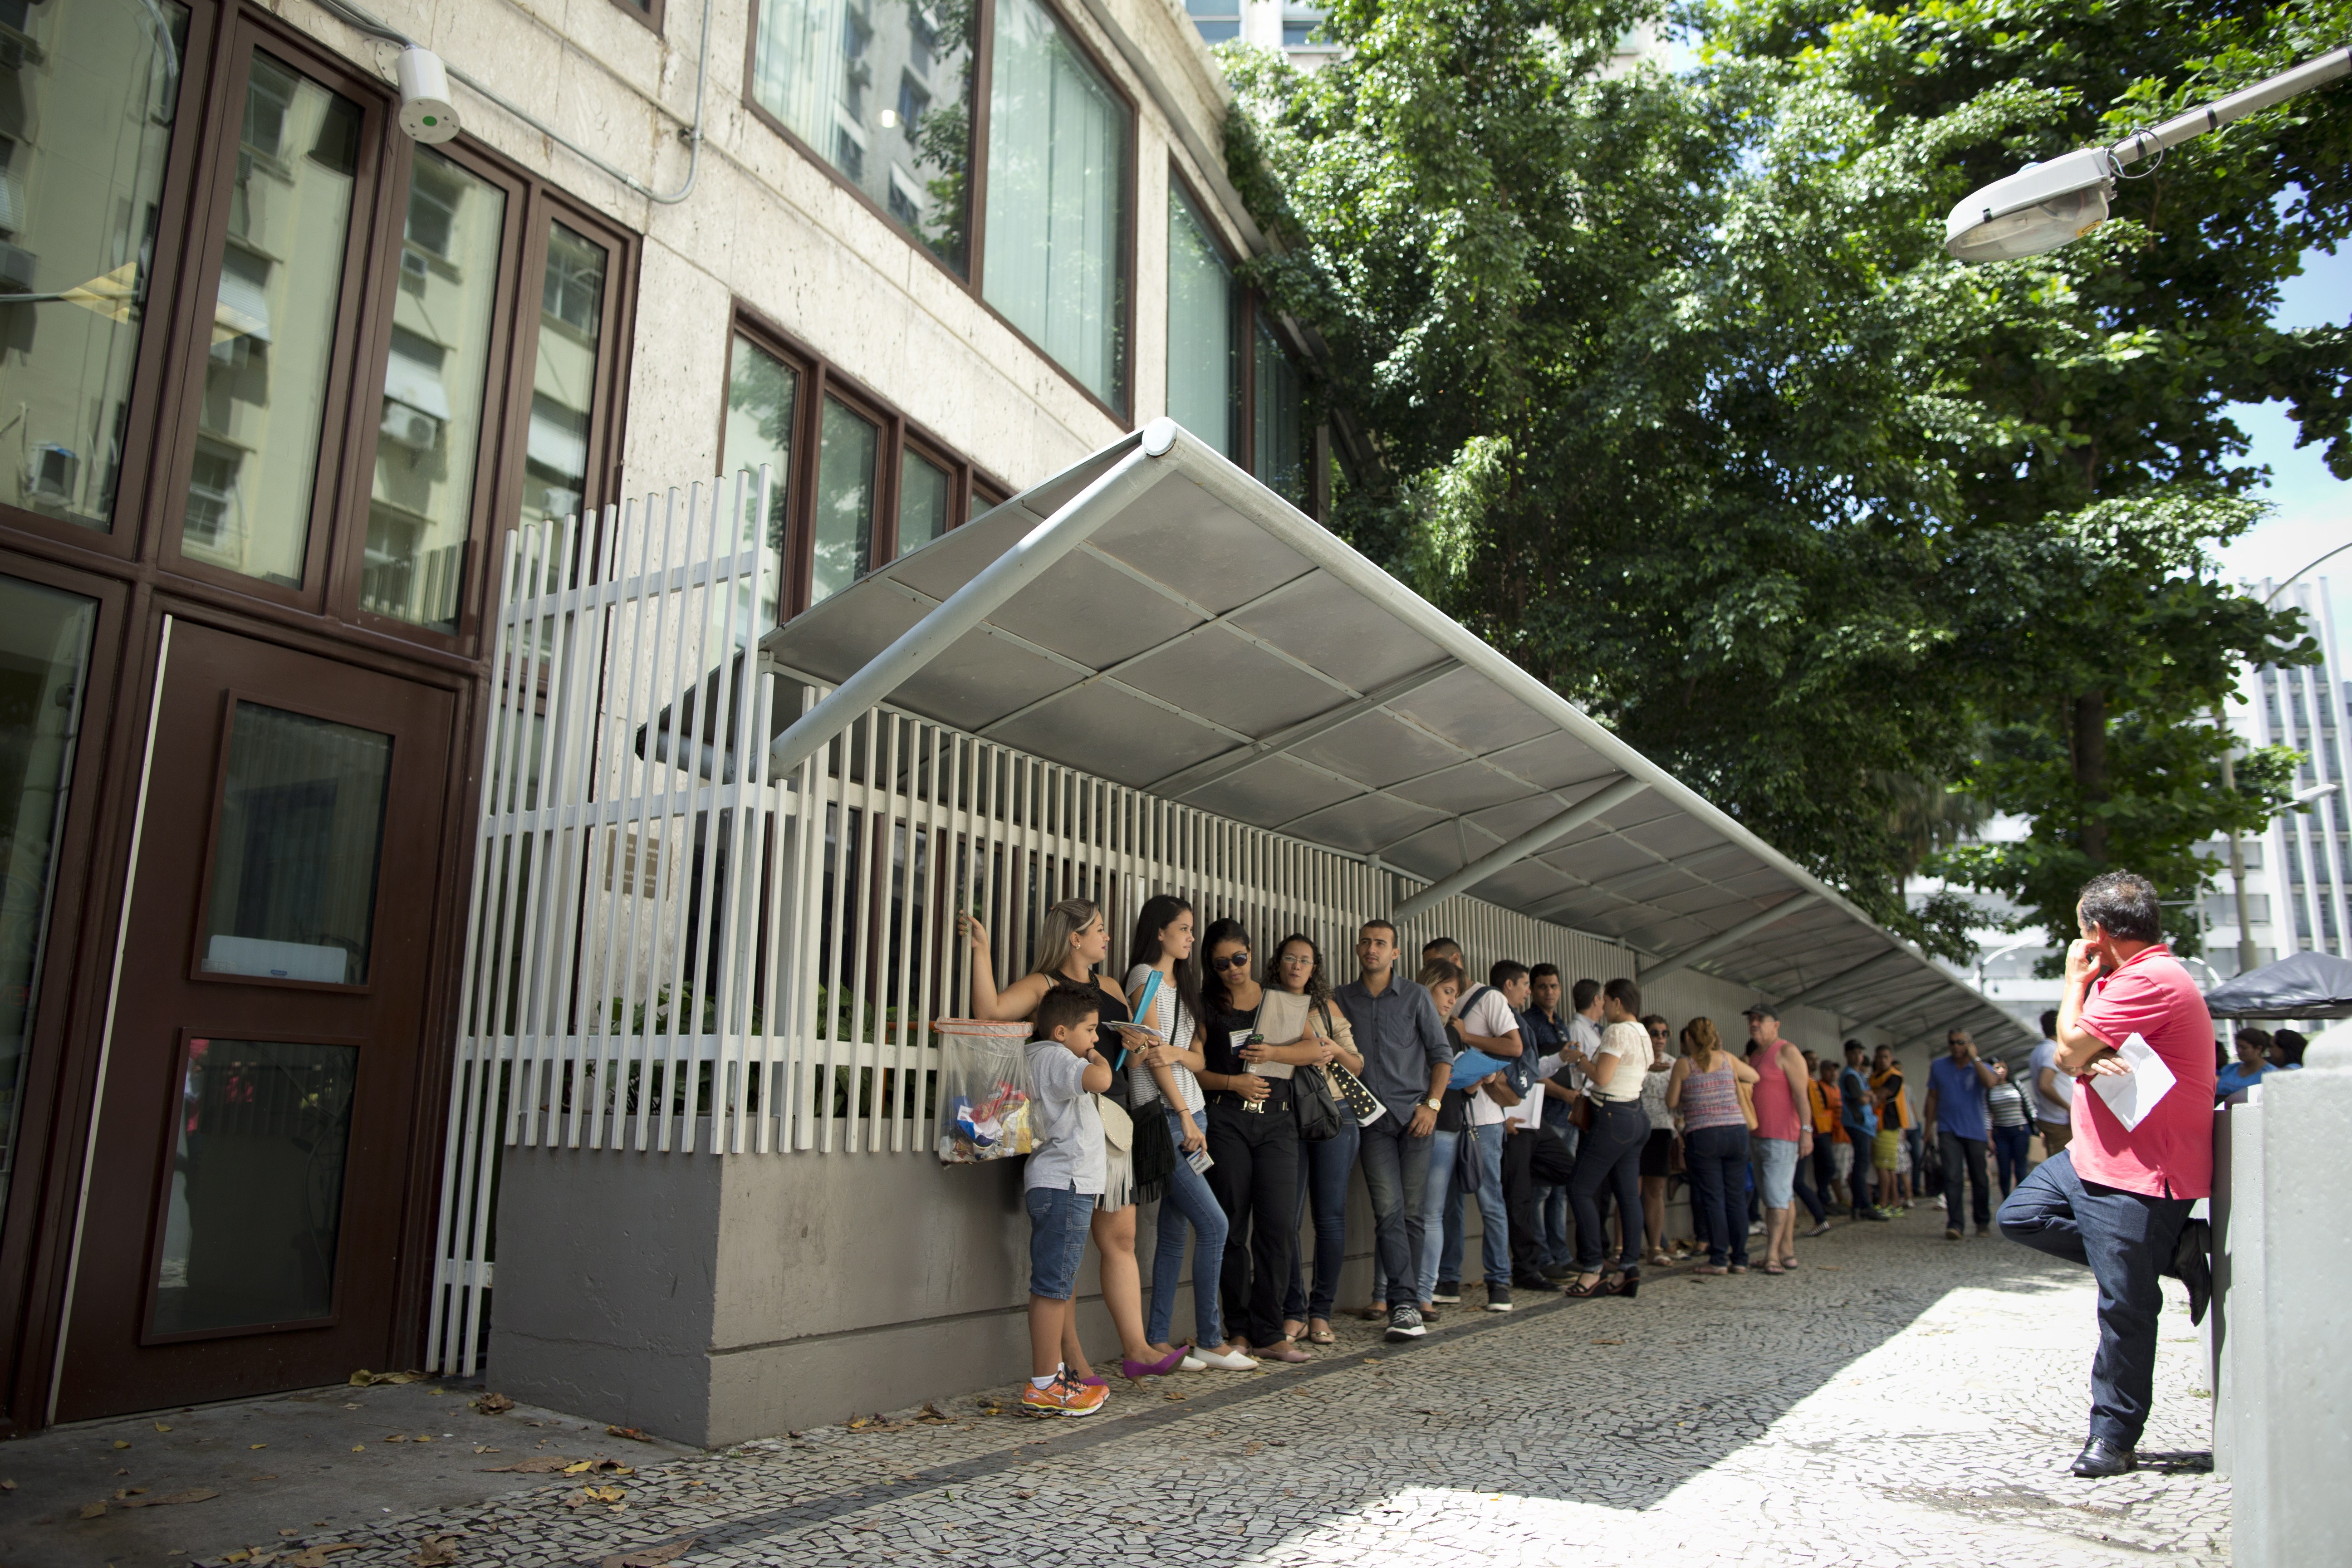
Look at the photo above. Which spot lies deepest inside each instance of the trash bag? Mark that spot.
(985, 1093)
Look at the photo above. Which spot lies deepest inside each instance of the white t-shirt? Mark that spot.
(1491, 1016)
(2043, 1107)
(1630, 1044)
(1175, 1027)
(1585, 1036)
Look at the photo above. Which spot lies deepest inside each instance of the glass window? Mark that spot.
(881, 90)
(844, 535)
(273, 336)
(295, 858)
(1217, 20)
(1280, 457)
(923, 491)
(563, 381)
(256, 1205)
(43, 663)
(86, 114)
(762, 393)
(1205, 360)
(1300, 29)
(1058, 157)
(429, 424)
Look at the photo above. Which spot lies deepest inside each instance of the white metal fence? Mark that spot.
(669, 951)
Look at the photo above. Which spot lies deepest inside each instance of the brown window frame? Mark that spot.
(976, 191)
(820, 378)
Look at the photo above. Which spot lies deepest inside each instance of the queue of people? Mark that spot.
(1241, 1091)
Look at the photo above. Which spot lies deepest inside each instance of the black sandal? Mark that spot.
(1587, 1292)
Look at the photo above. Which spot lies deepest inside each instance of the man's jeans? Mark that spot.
(1396, 1168)
(1495, 1241)
(2127, 1239)
(1862, 1182)
(1955, 1151)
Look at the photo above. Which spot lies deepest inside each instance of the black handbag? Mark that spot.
(1314, 1106)
(1153, 1156)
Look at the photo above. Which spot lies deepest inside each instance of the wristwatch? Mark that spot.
(1434, 1104)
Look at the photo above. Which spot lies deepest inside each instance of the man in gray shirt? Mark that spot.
(1407, 1063)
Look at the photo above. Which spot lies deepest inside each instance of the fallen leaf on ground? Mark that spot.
(8, 1486)
(121, 1443)
(1172, 1396)
(289, 1532)
(932, 1413)
(1025, 1496)
(257, 1445)
(359, 1447)
(651, 1556)
(93, 1510)
(573, 1469)
(1249, 1449)
(493, 1403)
(538, 1464)
(857, 1424)
(397, 1437)
(479, 1448)
(1609, 1342)
(437, 1552)
(316, 1557)
(193, 1494)
(122, 1492)
(366, 1378)
(631, 1433)
(160, 1428)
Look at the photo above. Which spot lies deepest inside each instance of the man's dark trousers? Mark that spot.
(1957, 1151)
(2127, 1239)
(1529, 1158)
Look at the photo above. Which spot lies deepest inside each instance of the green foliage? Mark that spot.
(1667, 388)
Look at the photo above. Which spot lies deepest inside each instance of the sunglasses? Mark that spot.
(1238, 961)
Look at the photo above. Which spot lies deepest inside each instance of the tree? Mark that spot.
(1667, 386)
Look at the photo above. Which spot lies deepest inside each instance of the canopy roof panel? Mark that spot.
(1196, 636)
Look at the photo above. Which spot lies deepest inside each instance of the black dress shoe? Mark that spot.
(2188, 1262)
(2101, 1458)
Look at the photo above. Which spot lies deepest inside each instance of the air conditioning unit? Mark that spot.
(410, 428)
(53, 472)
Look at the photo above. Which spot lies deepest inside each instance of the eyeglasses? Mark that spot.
(1304, 960)
(1238, 961)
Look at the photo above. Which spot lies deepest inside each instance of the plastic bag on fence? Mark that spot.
(984, 1094)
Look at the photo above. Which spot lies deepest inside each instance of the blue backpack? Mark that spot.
(1859, 1115)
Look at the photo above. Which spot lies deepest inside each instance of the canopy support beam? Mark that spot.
(969, 606)
(1725, 942)
(1532, 842)
(1208, 771)
(1813, 993)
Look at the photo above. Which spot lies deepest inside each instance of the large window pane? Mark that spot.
(282, 274)
(845, 500)
(256, 1205)
(923, 491)
(762, 393)
(1218, 20)
(1057, 156)
(563, 381)
(429, 425)
(43, 662)
(295, 861)
(1204, 361)
(882, 89)
(86, 119)
(1281, 462)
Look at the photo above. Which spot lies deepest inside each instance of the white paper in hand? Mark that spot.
(2133, 1095)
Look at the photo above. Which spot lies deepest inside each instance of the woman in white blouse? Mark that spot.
(1610, 1153)
(1163, 985)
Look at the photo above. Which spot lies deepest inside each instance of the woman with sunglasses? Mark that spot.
(1323, 1167)
(1253, 1138)
(1164, 985)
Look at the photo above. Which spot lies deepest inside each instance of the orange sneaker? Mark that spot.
(1064, 1397)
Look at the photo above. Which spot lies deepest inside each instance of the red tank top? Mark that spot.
(1776, 1111)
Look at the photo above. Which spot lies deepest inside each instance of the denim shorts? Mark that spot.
(1776, 1170)
(1059, 1219)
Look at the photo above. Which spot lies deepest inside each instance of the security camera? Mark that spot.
(426, 115)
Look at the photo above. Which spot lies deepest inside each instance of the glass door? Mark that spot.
(260, 1095)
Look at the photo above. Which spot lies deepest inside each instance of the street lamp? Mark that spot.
(2045, 205)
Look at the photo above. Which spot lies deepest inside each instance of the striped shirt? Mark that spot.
(1711, 1099)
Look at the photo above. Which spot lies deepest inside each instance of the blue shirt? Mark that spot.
(1959, 1097)
(2236, 1076)
(1400, 1039)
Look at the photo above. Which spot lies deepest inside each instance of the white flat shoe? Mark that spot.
(1191, 1364)
(1223, 1360)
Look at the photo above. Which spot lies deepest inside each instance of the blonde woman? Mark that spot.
(1704, 1090)
(1073, 939)
(1326, 1167)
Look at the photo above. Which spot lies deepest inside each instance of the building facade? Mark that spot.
(280, 382)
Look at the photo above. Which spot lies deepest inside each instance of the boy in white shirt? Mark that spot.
(1068, 1167)
(1486, 1022)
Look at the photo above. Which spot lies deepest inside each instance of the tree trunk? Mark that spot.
(2091, 771)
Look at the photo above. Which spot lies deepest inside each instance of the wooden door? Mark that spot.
(254, 1134)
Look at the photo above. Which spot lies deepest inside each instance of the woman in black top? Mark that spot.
(1253, 1141)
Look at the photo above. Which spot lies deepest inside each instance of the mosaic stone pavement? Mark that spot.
(1896, 1399)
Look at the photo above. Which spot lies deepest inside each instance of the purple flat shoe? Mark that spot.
(1133, 1369)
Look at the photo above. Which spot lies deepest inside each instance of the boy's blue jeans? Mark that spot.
(1442, 1242)
(1188, 1201)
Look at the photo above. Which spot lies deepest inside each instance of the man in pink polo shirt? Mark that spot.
(2118, 1198)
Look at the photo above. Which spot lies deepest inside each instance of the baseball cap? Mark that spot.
(1763, 1010)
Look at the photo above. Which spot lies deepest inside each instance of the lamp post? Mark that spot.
(2045, 205)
